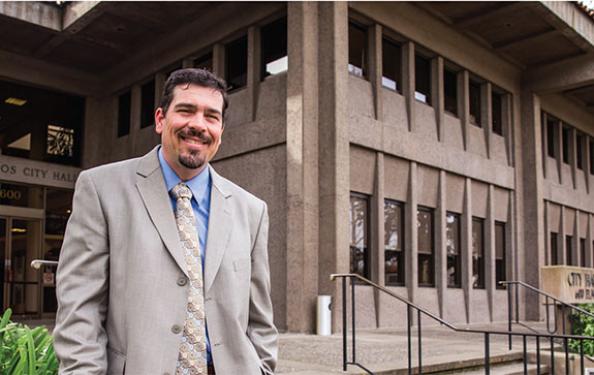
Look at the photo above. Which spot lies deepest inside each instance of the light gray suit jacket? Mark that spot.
(122, 282)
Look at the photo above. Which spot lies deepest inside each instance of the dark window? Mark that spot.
(579, 140)
(357, 50)
(497, 112)
(175, 66)
(359, 220)
(124, 102)
(591, 156)
(394, 242)
(583, 252)
(423, 79)
(500, 270)
(450, 88)
(274, 48)
(478, 253)
(474, 93)
(147, 108)
(552, 128)
(425, 242)
(569, 250)
(453, 250)
(236, 63)
(554, 252)
(204, 62)
(565, 135)
(391, 65)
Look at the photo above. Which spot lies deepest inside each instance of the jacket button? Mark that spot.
(176, 329)
(182, 281)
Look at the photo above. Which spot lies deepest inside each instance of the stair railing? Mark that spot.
(412, 308)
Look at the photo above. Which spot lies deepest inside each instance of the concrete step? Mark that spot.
(510, 368)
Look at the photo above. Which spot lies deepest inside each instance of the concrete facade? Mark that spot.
(306, 139)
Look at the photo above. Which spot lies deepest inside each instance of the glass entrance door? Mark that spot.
(22, 242)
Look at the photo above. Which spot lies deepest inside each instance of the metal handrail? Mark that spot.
(420, 311)
(556, 301)
(37, 263)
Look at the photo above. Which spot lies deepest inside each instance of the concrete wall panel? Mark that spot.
(396, 174)
(499, 149)
(554, 217)
(477, 144)
(427, 186)
(239, 109)
(394, 109)
(501, 204)
(453, 131)
(500, 306)
(569, 218)
(362, 166)
(425, 125)
(583, 225)
(454, 193)
(272, 98)
(392, 312)
(479, 312)
(480, 199)
(427, 299)
(360, 101)
(453, 306)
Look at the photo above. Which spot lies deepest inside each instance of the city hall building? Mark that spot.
(433, 148)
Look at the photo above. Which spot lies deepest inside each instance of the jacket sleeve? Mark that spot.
(82, 286)
(261, 329)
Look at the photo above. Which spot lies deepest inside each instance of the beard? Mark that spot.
(194, 159)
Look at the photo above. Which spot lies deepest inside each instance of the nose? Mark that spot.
(198, 121)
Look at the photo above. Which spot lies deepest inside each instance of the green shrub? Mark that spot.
(583, 325)
(25, 351)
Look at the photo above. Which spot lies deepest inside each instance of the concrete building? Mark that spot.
(435, 148)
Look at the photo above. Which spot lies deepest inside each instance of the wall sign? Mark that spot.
(37, 173)
(568, 283)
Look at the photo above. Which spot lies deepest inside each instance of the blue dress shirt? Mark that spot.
(200, 186)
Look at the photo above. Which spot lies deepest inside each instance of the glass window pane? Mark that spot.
(478, 259)
(426, 270)
(423, 79)
(475, 103)
(359, 223)
(391, 65)
(453, 249)
(236, 63)
(21, 195)
(591, 156)
(500, 259)
(147, 109)
(357, 50)
(124, 102)
(582, 252)
(204, 62)
(450, 88)
(274, 48)
(565, 140)
(394, 242)
(554, 251)
(569, 250)
(579, 140)
(497, 112)
(552, 136)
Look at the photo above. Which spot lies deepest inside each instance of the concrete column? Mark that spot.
(408, 81)
(253, 70)
(561, 238)
(374, 35)
(378, 254)
(545, 143)
(573, 156)
(466, 239)
(218, 59)
(487, 116)
(302, 171)
(508, 127)
(490, 282)
(437, 91)
(586, 162)
(575, 243)
(547, 234)
(411, 239)
(533, 219)
(589, 244)
(441, 257)
(464, 105)
(560, 151)
(333, 147)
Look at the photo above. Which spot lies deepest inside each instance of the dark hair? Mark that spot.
(200, 77)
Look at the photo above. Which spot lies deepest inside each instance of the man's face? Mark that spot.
(191, 129)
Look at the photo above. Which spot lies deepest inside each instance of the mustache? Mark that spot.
(191, 132)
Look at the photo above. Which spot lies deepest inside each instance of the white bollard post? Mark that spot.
(324, 316)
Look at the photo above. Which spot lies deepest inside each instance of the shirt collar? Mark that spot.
(199, 185)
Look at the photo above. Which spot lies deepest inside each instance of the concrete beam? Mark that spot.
(561, 76)
(37, 13)
(78, 14)
(576, 25)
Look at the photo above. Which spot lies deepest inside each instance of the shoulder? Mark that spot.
(238, 193)
(112, 172)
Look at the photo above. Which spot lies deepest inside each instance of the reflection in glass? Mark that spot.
(500, 259)
(394, 242)
(425, 229)
(478, 258)
(453, 249)
(358, 221)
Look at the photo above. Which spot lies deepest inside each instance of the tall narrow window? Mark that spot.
(124, 102)
(423, 79)
(569, 250)
(579, 140)
(453, 250)
(274, 48)
(552, 136)
(147, 104)
(450, 88)
(425, 235)
(497, 112)
(582, 252)
(500, 269)
(236, 63)
(566, 132)
(357, 50)
(391, 65)
(359, 228)
(474, 92)
(394, 242)
(478, 253)
(204, 62)
(554, 251)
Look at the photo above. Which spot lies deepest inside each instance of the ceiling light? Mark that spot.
(15, 101)
(18, 230)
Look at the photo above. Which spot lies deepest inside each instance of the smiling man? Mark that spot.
(164, 267)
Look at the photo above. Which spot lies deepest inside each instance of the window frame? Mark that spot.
(352, 68)
(569, 250)
(500, 129)
(386, 40)
(243, 78)
(554, 248)
(366, 224)
(400, 279)
(278, 55)
(124, 117)
(144, 112)
(426, 254)
(423, 58)
(475, 118)
(449, 71)
(478, 262)
(457, 258)
(500, 261)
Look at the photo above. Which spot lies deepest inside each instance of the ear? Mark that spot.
(159, 120)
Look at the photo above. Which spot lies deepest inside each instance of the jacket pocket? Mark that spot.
(116, 362)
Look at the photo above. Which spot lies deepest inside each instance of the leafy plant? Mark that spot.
(583, 325)
(25, 351)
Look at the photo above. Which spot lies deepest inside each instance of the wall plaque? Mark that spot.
(569, 283)
(37, 172)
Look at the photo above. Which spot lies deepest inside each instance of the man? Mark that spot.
(137, 294)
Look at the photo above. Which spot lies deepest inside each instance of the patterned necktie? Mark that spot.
(192, 350)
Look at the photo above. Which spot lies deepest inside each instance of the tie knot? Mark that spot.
(182, 191)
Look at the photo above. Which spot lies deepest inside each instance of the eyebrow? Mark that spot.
(194, 108)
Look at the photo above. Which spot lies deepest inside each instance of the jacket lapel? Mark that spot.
(219, 228)
(151, 185)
